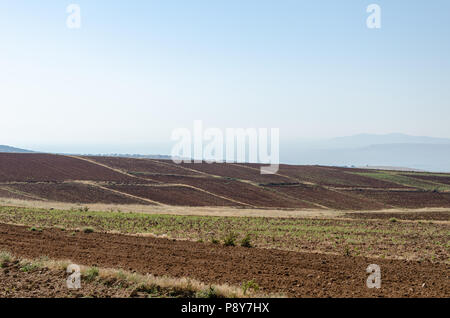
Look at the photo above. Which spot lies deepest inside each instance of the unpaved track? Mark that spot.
(295, 274)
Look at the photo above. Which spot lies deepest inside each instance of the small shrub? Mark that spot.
(347, 252)
(230, 240)
(207, 293)
(91, 274)
(29, 267)
(214, 241)
(251, 284)
(246, 241)
(121, 275)
(88, 230)
(35, 229)
(5, 257)
(393, 220)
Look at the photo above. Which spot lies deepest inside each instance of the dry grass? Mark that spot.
(176, 210)
(202, 211)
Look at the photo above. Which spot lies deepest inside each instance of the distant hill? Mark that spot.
(416, 156)
(136, 156)
(4, 148)
(365, 140)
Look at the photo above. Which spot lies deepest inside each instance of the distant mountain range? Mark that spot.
(9, 149)
(392, 150)
(4, 148)
(137, 156)
(366, 140)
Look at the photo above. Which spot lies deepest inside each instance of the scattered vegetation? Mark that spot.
(29, 267)
(91, 274)
(209, 292)
(246, 241)
(5, 257)
(249, 285)
(153, 286)
(230, 239)
(215, 241)
(410, 240)
(88, 230)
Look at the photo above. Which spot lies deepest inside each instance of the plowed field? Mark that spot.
(295, 274)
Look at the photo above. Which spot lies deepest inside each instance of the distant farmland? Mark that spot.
(44, 177)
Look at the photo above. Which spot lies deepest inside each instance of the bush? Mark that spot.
(5, 257)
(207, 293)
(88, 230)
(393, 220)
(214, 241)
(246, 286)
(246, 241)
(230, 240)
(347, 252)
(29, 267)
(91, 274)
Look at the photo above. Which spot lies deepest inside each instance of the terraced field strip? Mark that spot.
(94, 184)
(404, 180)
(14, 192)
(108, 167)
(53, 168)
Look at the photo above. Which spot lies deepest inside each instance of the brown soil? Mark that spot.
(330, 176)
(328, 198)
(173, 195)
(44, 167)
(438, 216)
(297, 274)
(73, 193)
(232, 171)
(51, 177)
(406, 199)
(6, 193)
(44, 282)
(144, 166)
(239, 191)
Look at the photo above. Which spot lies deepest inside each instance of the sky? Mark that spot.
(137, 70)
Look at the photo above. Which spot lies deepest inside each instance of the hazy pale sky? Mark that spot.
(136, 70)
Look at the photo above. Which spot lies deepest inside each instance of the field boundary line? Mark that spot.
(25, 194)
(92, 183)
(110, 168)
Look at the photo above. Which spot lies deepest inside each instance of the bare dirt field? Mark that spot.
(18, 281)
(174, 195)
(407, 199)
(69, 192)
(298, 274)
